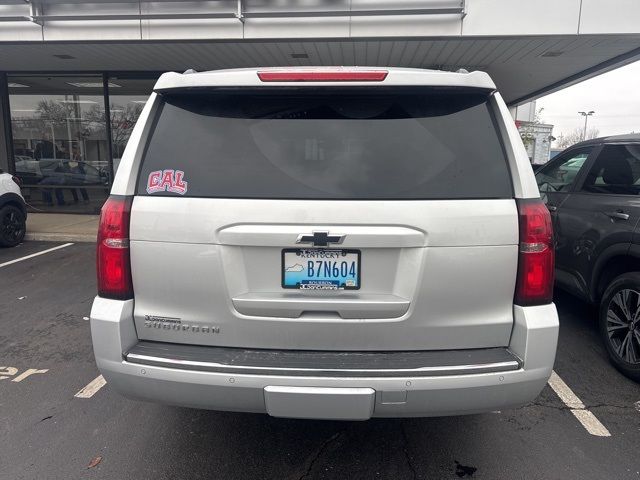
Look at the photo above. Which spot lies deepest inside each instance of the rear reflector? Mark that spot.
(113, 262)
(324, 76)
(534, 285)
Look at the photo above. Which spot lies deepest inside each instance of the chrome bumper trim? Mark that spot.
(323, 371)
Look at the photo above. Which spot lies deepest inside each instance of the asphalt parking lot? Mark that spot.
(47, 432)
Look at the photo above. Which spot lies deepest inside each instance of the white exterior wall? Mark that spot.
(539, 149)
(493, 18)
(525, 112)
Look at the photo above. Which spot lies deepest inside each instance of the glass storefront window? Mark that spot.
(126, 99)
(60, 144)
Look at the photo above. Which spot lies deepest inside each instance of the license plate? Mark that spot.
(320, 269)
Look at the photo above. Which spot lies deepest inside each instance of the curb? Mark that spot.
(61, 237)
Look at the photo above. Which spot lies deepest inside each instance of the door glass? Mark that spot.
(616, 171)
(560, 175)
(127, 97)
(60, 145)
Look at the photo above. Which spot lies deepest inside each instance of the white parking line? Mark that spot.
(93, 386)
(571, 400)
(35, 255)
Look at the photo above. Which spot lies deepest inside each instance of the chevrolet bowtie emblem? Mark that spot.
(319, 239)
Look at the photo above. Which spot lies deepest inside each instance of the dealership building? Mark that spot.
(74, 75)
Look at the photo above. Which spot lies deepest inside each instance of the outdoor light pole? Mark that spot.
(586, 117)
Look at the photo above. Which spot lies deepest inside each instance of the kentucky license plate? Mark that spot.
(320, 269)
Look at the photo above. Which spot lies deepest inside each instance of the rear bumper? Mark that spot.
(316, 395)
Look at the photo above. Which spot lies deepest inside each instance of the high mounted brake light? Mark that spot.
(534, 285)
(113, 262)
(324, 76)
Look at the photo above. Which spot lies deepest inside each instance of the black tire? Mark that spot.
(13, 226)
(619, 326)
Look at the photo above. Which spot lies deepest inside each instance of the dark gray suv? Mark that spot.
(591, 190)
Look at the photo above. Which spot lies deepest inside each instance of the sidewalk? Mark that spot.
(61, 227)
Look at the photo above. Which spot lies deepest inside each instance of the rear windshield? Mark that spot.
(333, 145)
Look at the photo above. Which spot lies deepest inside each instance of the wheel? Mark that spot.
(13, 226)
(620, 323)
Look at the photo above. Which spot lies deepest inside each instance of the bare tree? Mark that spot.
(57, 114)
(575, 136)
(54, 112)
(122, 118)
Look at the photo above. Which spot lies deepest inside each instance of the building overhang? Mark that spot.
(528, 48)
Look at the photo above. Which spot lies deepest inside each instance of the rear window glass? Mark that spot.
(334, 145)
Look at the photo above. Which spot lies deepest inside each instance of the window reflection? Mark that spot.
(60, 143)
(126, 101)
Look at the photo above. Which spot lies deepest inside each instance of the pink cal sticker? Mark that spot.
(168, 180)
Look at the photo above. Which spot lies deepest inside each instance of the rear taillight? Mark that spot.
(323, 75)
(113, 263)
(17, 181)
(536, 259)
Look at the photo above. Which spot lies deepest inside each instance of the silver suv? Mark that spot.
(335, 243)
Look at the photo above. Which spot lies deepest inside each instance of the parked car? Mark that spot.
(591, 190)
(52, 171)
(13, 211)
(333, 243)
